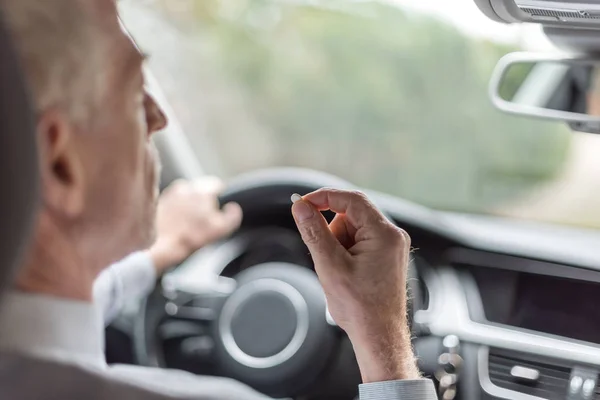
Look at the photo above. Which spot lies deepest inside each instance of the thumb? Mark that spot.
(313, 227)
(232, 217)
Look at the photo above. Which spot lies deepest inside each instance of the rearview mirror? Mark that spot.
(565, 89)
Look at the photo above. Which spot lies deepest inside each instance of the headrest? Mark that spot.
(18, 162)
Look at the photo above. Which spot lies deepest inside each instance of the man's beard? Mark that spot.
(156, 176)
(155, 195)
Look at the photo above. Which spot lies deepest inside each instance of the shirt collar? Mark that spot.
(52, 328)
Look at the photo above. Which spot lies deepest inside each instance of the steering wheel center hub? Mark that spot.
(271, 331)
(264, 323)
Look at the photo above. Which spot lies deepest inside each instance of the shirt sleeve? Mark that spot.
(130, 279)
(414, 389)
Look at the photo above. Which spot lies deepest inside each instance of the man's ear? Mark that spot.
(61, 164)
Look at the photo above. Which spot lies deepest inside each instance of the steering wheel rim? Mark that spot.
(250, 191)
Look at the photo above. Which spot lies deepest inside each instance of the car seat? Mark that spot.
(18, 161)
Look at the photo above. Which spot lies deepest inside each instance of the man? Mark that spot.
(99, 192)
(188, 218)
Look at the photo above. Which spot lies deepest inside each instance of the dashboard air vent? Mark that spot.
(550, 382)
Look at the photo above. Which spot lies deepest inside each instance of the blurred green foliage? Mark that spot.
(391, 100)
(513, 79)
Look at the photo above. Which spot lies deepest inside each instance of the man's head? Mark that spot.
(95, 120)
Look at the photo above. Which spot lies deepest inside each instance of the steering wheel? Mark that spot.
(266, 325)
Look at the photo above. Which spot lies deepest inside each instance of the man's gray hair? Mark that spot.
(61, 53)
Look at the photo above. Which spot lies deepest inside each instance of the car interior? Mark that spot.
(19, 154)
(500, 308)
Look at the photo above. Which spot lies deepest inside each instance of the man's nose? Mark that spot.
(156, 118)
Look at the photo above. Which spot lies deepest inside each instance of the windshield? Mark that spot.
(391, 96)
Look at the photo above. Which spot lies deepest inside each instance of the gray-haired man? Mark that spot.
(99, 195)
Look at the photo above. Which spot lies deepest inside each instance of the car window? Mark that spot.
(391, 96)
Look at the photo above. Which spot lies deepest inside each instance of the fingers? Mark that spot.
(359, 210)
(198, 202)
(200, 194)
(231, 218)
(220, 223)
(208, 185)
(313, 227)
(343, 231)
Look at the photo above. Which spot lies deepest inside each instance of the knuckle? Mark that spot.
(327, 191)
(179, 186)
(230, 223)
(203, 196)
(402, 237)
(332, 190)
(179, 183)
(359, 195)
(310, 235)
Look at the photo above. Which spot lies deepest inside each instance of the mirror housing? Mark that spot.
(549, 87)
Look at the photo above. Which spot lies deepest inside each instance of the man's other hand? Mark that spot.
(188, 218)
(362, 260)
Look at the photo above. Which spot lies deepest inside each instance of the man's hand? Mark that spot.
(362, 260)
(188, 218)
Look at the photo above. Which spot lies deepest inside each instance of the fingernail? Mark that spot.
(302, 211)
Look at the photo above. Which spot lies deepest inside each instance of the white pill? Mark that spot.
(296, 197)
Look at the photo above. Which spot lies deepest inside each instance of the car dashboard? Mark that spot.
(500, 309)
(525, 315)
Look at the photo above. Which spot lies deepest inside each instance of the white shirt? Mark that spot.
(73, 332)
(67, 330)
(130, 279)
(52, 328)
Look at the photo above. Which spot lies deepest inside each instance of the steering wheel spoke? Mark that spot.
(190, 313)
(213, 286)
(196, 302)
(269, 327)
(194, 305)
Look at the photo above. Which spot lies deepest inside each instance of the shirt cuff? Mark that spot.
(413, 389)
(138, 275)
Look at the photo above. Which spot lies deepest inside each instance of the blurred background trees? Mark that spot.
(390, 100)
